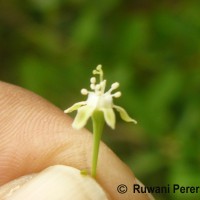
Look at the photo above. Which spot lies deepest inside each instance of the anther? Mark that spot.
(115, 86)
(93, 80)
(117, 94)
(84, 92)
(92, 86)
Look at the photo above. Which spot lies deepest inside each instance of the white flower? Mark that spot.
(98, 100)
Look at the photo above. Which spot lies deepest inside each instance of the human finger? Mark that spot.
(35, 134)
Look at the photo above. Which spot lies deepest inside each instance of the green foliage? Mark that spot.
(151, 48)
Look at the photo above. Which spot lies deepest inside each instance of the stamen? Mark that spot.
(84, 92)
(117, 94)
(93, 80)
(114, 86)
(92, 86)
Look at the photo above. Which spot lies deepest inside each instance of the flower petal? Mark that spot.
(84, 113)
(124, 115)
(109, 116)
(75, 107)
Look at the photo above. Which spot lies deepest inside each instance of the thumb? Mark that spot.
(54, 183)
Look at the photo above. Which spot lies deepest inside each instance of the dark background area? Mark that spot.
(151, 47)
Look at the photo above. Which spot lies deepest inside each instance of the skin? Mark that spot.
(34, 134)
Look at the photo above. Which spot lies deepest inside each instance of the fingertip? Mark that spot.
(58, 182)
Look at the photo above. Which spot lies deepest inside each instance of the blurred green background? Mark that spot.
(151, 47)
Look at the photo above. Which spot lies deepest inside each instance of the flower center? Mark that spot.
(98, 98)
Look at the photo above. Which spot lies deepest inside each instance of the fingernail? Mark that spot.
(60, 183)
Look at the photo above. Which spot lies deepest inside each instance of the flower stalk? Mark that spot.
(98, 124)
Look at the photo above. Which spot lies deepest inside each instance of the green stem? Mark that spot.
(98, 123)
